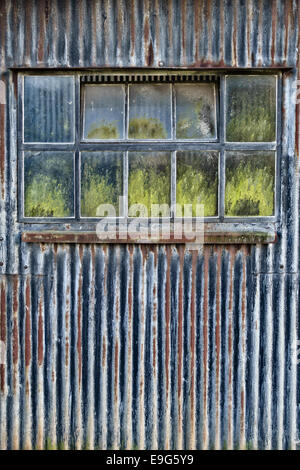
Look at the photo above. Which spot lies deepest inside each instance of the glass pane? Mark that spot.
(49, 184)
(195, 111)
(251, 108)
(149, 111)
(104, 112)
(250, 180)
(149, 180)
(48, 109)
(197, 181)
(101, 182)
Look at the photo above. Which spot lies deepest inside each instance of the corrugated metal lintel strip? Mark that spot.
(169, 78)
(242, 237)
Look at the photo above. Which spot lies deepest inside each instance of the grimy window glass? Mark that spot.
(147, 145)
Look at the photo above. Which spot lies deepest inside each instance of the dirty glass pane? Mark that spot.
(251, 108)
(195, 111)
(48, 184)
(149, 180)
(48, 109)
(149, 111)
(104, 112)
(101, 182)
(250, 180)
(197, 181)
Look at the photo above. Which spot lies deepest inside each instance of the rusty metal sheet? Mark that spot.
(149, 346)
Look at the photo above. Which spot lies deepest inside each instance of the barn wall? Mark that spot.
(149, 346)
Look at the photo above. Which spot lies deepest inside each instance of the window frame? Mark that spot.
(80, 144)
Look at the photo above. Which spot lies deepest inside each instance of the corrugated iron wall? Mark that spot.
(149, 346)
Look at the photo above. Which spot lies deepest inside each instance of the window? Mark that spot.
(147, 145)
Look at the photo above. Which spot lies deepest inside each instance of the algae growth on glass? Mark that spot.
(250, 180)
(101, 182)
(104, 112)
(195, 111)
(149, 111)
(48, 184)
(48, 109)
(251, 108)
(149, 181)
(197, 181)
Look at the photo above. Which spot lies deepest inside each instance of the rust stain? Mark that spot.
(79, 293)
(47, 10)
(116, 381)
(150, 55)
(28, 29)
(2, 145)
(230, 338)
(192, 335)
(210, 237)
(234, 36)
(94, 27)
(205, 342)
(274, 23)
(27, 324)
(286, 29)
(40, 331)
(3, 334)
(120, 28)
(170, 27)
(209, 28)
(297, 123)
(167, 317)
(157, 29)
(179, 328)
(244, 295)
(183, 29)
(222, 38)
(154, 332)
(146, 24)
(248, 23)
(67, 319)
(15, 342)
(3, 313)
(218, 333)
(103, 351)
(42, 18)
(3, 19)
(132, 27)
(196, 20)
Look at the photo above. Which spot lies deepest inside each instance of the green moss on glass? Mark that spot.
(97, 191)
(251, 108)
(146, 128)
(104, 131)
(256, 125)
(197, 182)
(44, 198)
(250, 184)
(48, 190)
(101, 181)
(149, 179)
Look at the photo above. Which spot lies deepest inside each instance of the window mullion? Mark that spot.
(77, 147)
(221, 196)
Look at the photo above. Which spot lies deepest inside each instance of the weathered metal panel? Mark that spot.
(149, 346)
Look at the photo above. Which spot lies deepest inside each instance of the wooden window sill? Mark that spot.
(216, 234)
